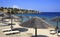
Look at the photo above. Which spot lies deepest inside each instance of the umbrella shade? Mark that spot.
(21, 16)
(44, 18)
(36, 22)
(1, 14)
(7, 18)
(56, 19)
(29, 17)
(10, 17)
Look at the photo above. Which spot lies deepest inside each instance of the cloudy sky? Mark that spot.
(41, 5)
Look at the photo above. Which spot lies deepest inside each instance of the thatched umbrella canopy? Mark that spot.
(36, 21)
(44, 18)
(10, 17)
(1, 15)
(56, 19)
(22, 18)
(7, 17)
(28, 17)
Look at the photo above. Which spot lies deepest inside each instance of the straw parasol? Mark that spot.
(10, 17)
(7, 17)
(28, 17)
(21, 17)
(36, 22)
(44, 18)
(1, 15)
(56, 19)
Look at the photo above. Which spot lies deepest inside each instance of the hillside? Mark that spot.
(17, 11)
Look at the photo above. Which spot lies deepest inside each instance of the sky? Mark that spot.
(40, 5)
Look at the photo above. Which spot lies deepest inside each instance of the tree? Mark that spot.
(8, 11)
(15, 10)
(1, 8)
(5, 8)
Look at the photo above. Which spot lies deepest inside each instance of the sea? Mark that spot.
(47, 15)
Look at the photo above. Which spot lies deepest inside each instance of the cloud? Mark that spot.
(15, 6)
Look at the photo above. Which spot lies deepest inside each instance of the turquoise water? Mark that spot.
(47, 15)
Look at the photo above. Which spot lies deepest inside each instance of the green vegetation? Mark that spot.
(17, 11)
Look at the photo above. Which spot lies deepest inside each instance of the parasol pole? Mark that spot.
(57, 24)
(35, 30)
(11, 21)
(2, 17)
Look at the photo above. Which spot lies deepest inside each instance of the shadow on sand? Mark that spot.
(21, 29)
(40, 36)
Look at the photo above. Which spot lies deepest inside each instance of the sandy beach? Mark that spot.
(27, 32)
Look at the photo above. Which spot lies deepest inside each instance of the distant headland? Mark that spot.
(17, 11)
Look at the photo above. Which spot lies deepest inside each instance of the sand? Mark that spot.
(28, 32)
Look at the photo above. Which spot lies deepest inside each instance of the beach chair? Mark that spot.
(58, 33)
(10, 23)
(5, 30)
(17, 21)
(6, 20)
(3, 24)
(11, 32)
(52, 32)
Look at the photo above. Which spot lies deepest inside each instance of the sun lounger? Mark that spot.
(11, 32)
(17, 21)
(58, 33)
(10, 23)
(3, 24)
(4, 30)
(6, 20)
(52, 31)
